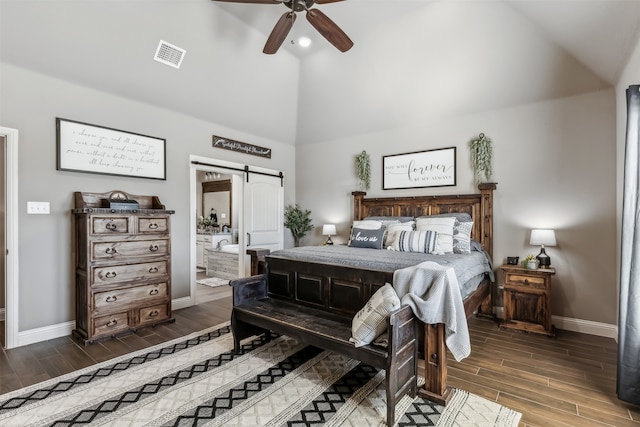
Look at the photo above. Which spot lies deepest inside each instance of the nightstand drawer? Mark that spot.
(516, 279)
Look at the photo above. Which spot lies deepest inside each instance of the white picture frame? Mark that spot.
(83, 147)
(430, 168)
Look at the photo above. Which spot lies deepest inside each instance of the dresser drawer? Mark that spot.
(110, 225)
(110, 324)
(113, 300)
(127, 249)
(146, 271)
(154, 313)
(152, 224)
(515, 279)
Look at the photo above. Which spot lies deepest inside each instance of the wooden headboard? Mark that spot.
(479, 206)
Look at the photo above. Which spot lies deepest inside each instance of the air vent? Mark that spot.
(169, 54)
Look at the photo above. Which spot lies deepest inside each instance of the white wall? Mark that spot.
(447, 58)
(31, 101)
(554, 163)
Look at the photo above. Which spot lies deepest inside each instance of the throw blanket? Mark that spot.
(433, 293)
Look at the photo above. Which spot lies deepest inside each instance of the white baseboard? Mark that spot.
(183, 302)
(576, 325)
(586, 327)
(33, 336)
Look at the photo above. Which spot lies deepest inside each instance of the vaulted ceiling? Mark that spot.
(599, 33)
(412, 59)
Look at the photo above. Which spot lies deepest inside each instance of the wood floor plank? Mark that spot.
(506, 385)
(536, 415)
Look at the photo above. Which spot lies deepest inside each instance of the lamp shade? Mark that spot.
(543, 237)
(329, 230)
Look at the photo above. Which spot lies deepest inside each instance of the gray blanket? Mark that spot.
(433, 293)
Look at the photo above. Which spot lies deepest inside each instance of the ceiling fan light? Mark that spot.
(304, 41)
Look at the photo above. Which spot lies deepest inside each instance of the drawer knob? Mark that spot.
(526, 281)
(111, 251)
(153, 248)
(112, 323)
(111, 274)
(153, 226)
(154, 292)
(153, 270)
(111, 226)
(111, 298)
(154, 313)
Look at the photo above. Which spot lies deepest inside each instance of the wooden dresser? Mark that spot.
(123, 264)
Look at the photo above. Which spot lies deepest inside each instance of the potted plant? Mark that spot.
(363, 171)
(531, 262)
(298, 221)
(481, 156)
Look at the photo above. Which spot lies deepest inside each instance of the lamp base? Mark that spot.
(544, 261)
(329, 241)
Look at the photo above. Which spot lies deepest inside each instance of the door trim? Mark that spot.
(11, 236)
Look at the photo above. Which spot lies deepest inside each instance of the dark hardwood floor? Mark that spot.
(568, 380)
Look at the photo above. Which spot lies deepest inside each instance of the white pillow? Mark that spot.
(393, 230)
(424, 241)
(371, 321)
(444, 227)
(367, 224)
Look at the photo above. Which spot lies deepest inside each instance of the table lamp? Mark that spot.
(329, 230)
(543, 237)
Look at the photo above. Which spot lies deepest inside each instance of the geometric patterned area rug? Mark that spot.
(199, 381)
(213, 281)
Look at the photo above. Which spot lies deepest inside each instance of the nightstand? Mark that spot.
(527, 299)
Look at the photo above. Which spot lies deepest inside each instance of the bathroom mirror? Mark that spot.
(217, 195)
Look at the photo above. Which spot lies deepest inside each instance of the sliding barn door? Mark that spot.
(263, 212)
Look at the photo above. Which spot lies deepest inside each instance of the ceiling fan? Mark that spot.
(319, 20)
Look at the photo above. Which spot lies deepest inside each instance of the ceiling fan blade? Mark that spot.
(327, 1)
(253, 1)
(279, 33)
(329, 30)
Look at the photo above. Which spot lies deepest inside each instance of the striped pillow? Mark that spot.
(393, 230)
(416, 241)
(444, 227)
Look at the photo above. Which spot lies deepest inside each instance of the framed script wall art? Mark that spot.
(432, 168)
(83, 147)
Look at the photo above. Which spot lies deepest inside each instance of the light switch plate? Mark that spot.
(41, 208)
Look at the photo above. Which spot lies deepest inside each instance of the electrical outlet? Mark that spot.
(41, 208)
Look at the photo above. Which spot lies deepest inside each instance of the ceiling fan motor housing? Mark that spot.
(299, 5)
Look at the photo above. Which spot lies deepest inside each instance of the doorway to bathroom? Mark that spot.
(235, 207)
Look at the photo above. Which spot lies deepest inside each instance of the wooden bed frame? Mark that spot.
(480, 207)
(343, 290)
